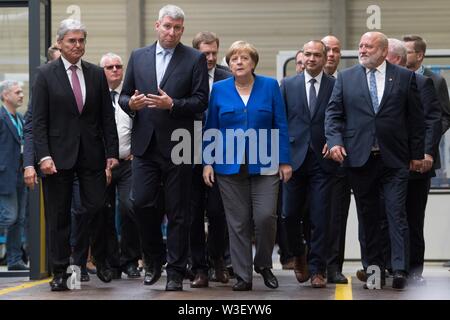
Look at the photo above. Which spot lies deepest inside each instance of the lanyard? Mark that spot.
(17, 123)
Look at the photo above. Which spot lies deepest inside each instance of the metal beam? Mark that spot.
(135, 25)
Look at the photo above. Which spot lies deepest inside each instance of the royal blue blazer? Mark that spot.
(265, 110)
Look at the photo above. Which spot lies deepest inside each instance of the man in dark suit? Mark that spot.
(74, 132)
(306, 97)
(13, 194)
(375, 126)
(165, 86)
(419, 182)
(203, 197)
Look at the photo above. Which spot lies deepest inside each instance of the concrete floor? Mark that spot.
(437, 288)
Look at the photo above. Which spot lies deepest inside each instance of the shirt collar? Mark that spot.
(381, 68)
(211, 72)
(160, 49)
(309, 77)
(67, 64)
(420, 70)
(118, 89)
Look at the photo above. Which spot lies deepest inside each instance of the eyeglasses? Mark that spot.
(117, 66)
(74, 41)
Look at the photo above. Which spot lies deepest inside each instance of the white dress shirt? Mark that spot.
(211, 78)
(124, 125)
(380, 76)
(316, 84)
(80, 75)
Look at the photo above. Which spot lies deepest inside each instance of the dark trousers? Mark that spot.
(59, 188)
(129, 244)
(416, 203)
(209, 199)
(340, 203)
(378, 189)
(79, 240)
(309, 181)
(149, 170)
(282, 240)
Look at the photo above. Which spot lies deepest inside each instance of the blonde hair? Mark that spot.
(239, 46)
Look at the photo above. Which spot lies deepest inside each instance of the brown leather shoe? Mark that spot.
(200, 281)
(220, 271)
(361, 275)
(301, 268)
(289, 265)
(318, 281)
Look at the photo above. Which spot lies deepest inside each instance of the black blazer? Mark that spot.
(60, 131)
(221, 74)
(440, 85)
(185, 81)
(399, 125)
(306, 129)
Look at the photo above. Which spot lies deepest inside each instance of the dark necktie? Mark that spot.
(312, 96)
(113, 97)
(76, 87)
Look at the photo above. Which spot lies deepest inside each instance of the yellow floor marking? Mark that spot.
(23, 286)
(344, 291)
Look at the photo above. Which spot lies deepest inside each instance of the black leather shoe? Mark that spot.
(190, 275)
(337, 277)
(152, 275)
(131, 271)
(104, 273)
(116, 273)
(241, 285)
(269, 279)
(84, 277)
(200, 281)
(59, 283)
(399, 282)
(174, 284)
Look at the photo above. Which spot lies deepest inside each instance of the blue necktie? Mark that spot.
(373, 90)
(312, 96)
(163, 65)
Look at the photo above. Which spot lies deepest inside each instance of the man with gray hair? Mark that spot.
(419, 182)
(126, 258)
(74, 132)
(375, 127)
(13, 193)
(165, 86)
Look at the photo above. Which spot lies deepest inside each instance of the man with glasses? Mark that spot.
(165, 86)
(125, 259)
(74, 132)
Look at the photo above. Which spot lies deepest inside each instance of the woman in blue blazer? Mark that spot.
(249, 153)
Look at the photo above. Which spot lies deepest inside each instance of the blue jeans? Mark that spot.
(12, 216)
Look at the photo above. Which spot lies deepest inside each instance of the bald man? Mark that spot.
(375, 127)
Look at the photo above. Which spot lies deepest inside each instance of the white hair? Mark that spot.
(68, 25)
(109, 55)
(172, 11)
(6, 85)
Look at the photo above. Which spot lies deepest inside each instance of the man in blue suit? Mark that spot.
(374, 125)
(165, 86)
(306, 97)
(13, 193)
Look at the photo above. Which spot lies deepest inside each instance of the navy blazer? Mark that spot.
(264, 110)
(10, 157)
(221, 74)
(185, 81)
(306, 129)
(399, 125)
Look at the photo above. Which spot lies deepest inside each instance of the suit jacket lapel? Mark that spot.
(9, 123)
(150, 55)
(176, 58)
(388, 82)
(363, 80)
(87, 73)
(63, 79)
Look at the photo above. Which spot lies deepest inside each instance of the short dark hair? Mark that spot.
(206, 37)
(419, 44)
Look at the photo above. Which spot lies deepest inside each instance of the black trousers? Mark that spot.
(340, 203)
(379, 189)
(128, 249)
(416, 203)
(206, 199)
(58, 188)
(149, 171)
